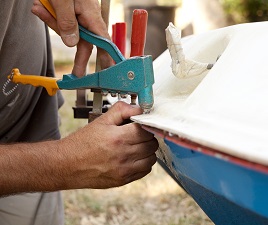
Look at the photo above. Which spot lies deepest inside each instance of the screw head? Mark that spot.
(131, 75)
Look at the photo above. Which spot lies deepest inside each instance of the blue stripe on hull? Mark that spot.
(228, 193)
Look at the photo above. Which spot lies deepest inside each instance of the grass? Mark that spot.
(153, 200)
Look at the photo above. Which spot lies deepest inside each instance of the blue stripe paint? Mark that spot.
(240, 187)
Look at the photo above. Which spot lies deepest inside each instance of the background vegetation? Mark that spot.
(241, 11)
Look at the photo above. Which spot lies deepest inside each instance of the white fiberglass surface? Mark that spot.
(225, 107)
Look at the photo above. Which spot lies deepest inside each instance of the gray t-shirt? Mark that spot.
(29, 113)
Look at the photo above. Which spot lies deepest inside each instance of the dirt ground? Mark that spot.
(154, 200)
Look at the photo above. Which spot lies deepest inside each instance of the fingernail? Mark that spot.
(70, 39)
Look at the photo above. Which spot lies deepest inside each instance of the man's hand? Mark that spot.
(107, 154)
(103, 154)
(69, 13)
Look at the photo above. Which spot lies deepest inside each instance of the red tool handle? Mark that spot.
(138, 35)
(119, 36)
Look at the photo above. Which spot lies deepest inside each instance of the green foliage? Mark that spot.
(241, 11)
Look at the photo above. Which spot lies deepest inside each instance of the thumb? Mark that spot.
(120, 112)
(66, 21)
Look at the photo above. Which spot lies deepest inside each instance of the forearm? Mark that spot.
(31, 167)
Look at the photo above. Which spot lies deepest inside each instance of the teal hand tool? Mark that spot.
(128, 76)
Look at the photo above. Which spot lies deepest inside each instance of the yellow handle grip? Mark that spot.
(49, 8)
(49, 83)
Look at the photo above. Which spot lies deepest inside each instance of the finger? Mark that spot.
(119, 112)
(84, 50)
(66, 21)
(90, 17)
(142, 151)
(39, 10)
(146, 149)
(138, 134)
(105, 59)
(137, 176)
(143, 167)
(146, 163)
